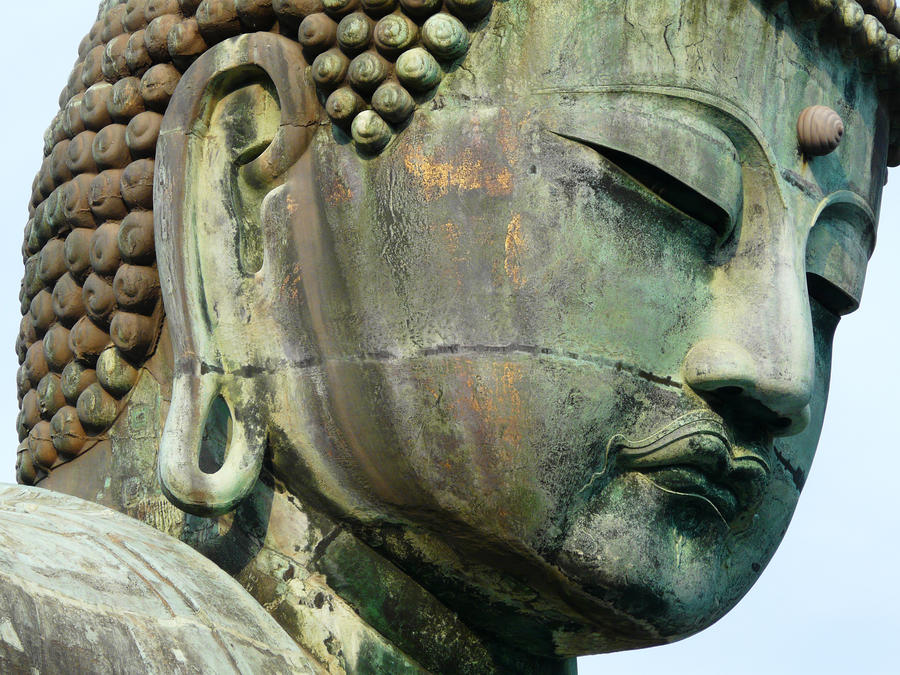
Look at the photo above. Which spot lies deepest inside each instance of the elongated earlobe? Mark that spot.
(185, 479)
(241, 117)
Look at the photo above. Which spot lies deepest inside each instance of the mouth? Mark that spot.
(694, 456)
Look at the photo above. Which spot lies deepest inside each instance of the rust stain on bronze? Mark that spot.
(340, 193)
(498, 185)
(515, 246)
(494, 398)
(507, 136)
(451, 234)
(510, 383)
(291, 283)
(467, 172)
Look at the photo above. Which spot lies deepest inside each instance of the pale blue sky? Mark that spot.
(828, 601)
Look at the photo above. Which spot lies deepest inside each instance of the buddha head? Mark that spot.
(537, 298)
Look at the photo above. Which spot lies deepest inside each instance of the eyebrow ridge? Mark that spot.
(857, 203)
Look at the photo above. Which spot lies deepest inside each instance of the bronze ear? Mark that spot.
(241, 116)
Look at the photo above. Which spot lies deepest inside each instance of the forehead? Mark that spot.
(760, 64)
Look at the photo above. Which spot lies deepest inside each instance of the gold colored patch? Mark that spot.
(466, 173)
(515, 247)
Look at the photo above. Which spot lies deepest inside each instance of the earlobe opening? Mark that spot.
(217, 434)
(192, 476)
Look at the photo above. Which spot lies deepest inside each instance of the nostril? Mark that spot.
(720, 367)
(782, 423)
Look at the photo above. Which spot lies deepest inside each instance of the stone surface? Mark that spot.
(85, 589)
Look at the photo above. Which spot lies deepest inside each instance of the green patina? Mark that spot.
(533, 372)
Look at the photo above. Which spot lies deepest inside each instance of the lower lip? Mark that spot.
(690, 482)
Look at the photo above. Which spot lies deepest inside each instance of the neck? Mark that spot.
(349, 607)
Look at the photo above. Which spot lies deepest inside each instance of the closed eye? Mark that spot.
(685, 158)
(665, 186)
(829, 295)
(837, 252)
(668, 188)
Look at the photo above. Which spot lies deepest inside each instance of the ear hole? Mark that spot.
(216, 439)
(242, 110)
(250, 153)
(243, 121)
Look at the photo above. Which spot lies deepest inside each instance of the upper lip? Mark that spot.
(697, 441)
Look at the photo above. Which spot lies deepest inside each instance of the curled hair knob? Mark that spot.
(819, 130)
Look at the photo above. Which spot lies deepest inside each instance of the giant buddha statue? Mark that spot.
(467, 335)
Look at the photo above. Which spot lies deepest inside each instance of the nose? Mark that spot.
(755, 353)
(725, 373)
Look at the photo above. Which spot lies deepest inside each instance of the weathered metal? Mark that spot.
(469, 336)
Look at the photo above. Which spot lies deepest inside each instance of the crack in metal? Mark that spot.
(796, 474)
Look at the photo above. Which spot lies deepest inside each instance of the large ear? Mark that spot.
(241, 116)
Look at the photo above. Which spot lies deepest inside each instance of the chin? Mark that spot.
(669, 562)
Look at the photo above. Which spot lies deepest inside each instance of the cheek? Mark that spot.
(499, 442)
(508, 442)
(605, 268)
(489, 244)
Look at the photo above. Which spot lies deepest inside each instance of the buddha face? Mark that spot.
(562, 350)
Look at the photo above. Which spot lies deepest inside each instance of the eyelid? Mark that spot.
(837, 251)
(669, 189)
(691, 151)
(855, 210)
